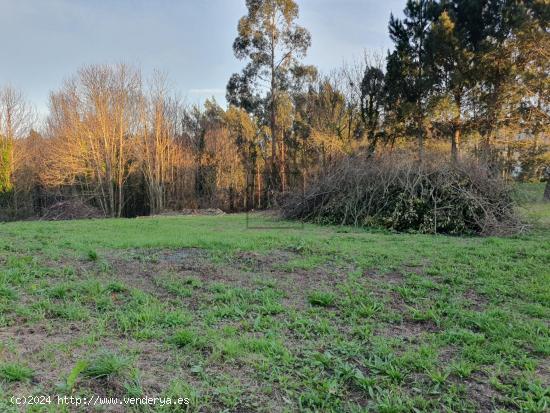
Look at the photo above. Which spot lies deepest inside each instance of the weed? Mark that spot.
(188, 338)
(116, 287)
(75, 372)
(15, 372)
(321, 298)
(92, 255)
(106, 364)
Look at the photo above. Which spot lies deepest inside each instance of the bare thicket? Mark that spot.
(93, 124)
(121, 143)
(157, 151)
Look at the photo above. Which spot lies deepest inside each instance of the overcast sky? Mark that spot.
(45, 41)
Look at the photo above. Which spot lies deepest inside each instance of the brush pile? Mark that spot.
(399, 193)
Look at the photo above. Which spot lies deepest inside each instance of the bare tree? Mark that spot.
(16, 121)
(159, 153)
(94, 118)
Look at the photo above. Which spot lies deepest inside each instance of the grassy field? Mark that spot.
(277, 320)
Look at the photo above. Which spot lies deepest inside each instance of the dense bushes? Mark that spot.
(396, 192)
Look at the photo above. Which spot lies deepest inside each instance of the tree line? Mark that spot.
(465, 77)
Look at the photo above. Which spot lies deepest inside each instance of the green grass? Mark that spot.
(15, 372)
(529, 195)
(321, 298)
(312, 319)
(105, 365)
(188, 338)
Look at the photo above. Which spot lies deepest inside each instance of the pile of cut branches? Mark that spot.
(70, 209)
(394, 191)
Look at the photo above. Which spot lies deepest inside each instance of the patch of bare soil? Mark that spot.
(477, 302)
(254, 261)
(408, 330)
(295, 283)
(34, 344)
(417, 269)
(482, 393)
(446, 355)
(543, 371)
(139, 267)
(183, 257)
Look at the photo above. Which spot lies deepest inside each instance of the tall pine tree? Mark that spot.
(409, 78)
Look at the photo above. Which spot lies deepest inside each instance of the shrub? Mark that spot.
(396, 192)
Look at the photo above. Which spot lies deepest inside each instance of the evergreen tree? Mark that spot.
(372, 101)
(409, 78)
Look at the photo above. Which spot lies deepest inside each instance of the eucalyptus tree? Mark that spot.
(272, 43)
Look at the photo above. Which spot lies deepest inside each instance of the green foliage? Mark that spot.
(321, 298)
(15, 372)
(271, 48)
(92, 255)
(6, 153)
(73, 376)
(188, 338)
(106, 364)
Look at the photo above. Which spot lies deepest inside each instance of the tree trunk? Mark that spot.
(421, 131)
(259, 185)
(371, 149)
(420, 139)
(489, 154)
(274, 172)
(455, 138)
(455, 144)
(546, 196)
(282, 167)
(273, 120)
